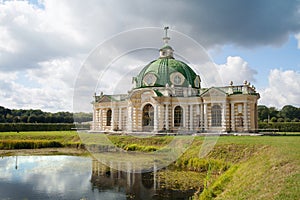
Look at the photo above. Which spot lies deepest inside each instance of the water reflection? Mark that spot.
(136, 185)
(49, 177)
(71, 177)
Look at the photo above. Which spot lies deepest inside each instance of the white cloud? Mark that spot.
(236, 69)
(283, 89)
(30, 35)
(49, 87)
(297, 36)
(41, 47)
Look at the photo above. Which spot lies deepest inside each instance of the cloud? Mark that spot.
(33, 34)
(49, 87)
(283, 89)
(237, 70)
(297, 36)
(30, 35)
(42, 46)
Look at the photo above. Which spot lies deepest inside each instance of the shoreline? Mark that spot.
(44, 151)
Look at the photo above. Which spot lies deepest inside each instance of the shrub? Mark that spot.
(131, 147)
(273, 119)
(282, 126)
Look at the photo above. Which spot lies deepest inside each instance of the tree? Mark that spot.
(280, 119)
(32, 119)
(273, 119)
(2, 119)
(24, 118)
(263, 112)
(273, 112)
(9, 118)
(290, 112)
(16, 119)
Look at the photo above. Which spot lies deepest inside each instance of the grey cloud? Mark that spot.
(215, 22)
(245, 23)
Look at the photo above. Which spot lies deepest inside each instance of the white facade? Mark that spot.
(167, 97)
(146, 110)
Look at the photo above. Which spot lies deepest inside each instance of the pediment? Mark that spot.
(214, 92)
(105, 99)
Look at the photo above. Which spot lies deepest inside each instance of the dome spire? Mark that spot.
(166, 38)
(166, 51)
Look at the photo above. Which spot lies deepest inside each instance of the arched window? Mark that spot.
(216, 117)
(178, 113)
(148, 115)
(108, 117)
(240, 121)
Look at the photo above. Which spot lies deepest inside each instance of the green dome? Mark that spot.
(167, 70)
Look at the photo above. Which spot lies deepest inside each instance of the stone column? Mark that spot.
(224, 116)
(96, 119)
(185, 111)
(191, 118)
(112, 125)
(120, 119)
(198, 116)
(129, 119)
(245, 117)
(205, 117)
(232, 117)
(167, 116)
(155, 118)
(201, 115)
(100, 120)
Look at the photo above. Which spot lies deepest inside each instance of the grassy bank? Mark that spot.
(38, 139)
(238, 167)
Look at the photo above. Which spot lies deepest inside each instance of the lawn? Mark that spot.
(238, 167)
(38, 139)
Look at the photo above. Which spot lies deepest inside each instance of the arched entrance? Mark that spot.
(216, 116)
(178, 113)
(148, 117)
(108, 117)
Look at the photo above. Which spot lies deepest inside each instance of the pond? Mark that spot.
(74, 177)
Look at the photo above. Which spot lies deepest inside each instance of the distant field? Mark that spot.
(250, 167)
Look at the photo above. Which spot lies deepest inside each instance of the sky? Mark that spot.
(47, 46)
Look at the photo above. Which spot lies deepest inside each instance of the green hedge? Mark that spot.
(9, 127)
(281, 126)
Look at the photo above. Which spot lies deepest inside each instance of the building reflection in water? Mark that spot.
(134, 184)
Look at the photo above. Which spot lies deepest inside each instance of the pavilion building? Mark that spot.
(167, 97)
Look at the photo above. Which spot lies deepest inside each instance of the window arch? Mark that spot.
(148, 115)
(216, 116)
(108, 117)
(178, 113)
(240, 121)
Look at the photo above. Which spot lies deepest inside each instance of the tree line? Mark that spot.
(288, 113)
(39, 116)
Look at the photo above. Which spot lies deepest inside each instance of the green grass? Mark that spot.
(267, 168)
(238, 167)
(38, 139)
